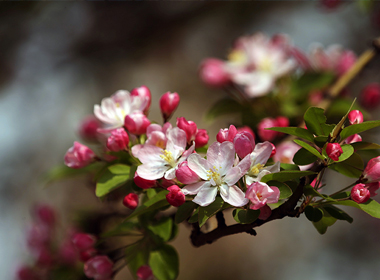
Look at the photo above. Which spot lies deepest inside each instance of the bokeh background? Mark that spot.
(59, 59)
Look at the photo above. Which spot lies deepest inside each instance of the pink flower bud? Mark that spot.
(371, 172)
(136, 123)
(144, 273)
(246, 129)
(118, 140)
(143, 183)
(45, 214)
(370, 96)
(131, 201)
(355, 117)
(83, 241)
(282, 121)
(185, 175)
(333, 151)
(189, 127)
(212, 73)
(87, 254)
(88, 128)
(175, 196)
(244, 144)
(168, 103)
(273, 150)
(373, 187)
(79, 156)
(353, 138)
(99, 267)
(267, 135)
(226, 134)
(144, 93)
(201, 138)
(26, 273)
(360, 194)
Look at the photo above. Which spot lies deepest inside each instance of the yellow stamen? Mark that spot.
(255, 170)
(168, 157)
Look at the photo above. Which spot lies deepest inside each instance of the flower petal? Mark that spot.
(206, 195)
(195, 188)
(233, 195)
(152, 170)
(261, 153)
(150, 153)
(199, 165)
(234, 174)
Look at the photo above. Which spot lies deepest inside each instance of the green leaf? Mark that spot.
(164, 263)
(194, 217)
(62, 172)
(365, 146)
(357, 128)
(338, 128)
(310, 191)
(338, 213)
(185, 211)
(156, 202)
(285, 190)
(207, 212)
(348, 150)
(113, 177)
(352, 167)
(296, 131)
(223, 107)
(136, 255)
(150, 193)
(311, 149)
(283, 176)
(316, 121)
(163, 228)
(371, 207)
(313, 214)
(309, 81)
(320, 141)
(326, 221)
(243, 216)
(304, 157)
(122, 229)
(289, 166)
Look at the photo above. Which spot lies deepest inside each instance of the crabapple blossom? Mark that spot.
(118, 140)
(88, 128)
(264, 134)
(360, 194)
(136, 123)
(282, 121)
(355, 117)
(143, 183)
(218, 173)
(247, 129)
(144, 273)
(260, 194)
(83, 241)
(353, 138)
(143, 92)
(371, 172)
(168, 104)
(79, 156)
(213, 72)
(285, 153)
(185, 175)
(244, 144)
(226, 134)
(201, 138)
(175, 196)
(370, 96)
(189, 127)
(333, 151)
(87, 254)
(131, 201)
(114, 109)
(99, 267)
(158, 162)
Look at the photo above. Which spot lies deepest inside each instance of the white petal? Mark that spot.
(199, 165)
(176, 142)
(235, 173)
(261, 153)
(170, 174)
(151, 171)
(150, 153)
(233, 195)
(206, 195)
(195, 188)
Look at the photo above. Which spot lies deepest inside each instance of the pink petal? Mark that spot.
(199, 165)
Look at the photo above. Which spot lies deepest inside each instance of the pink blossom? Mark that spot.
(371, 172)
(189, 127)
(282, 121)
(88, 128)
(370, 96)
(99, 267)
(131, 201)
(353, 139)
(246, 129)
(373, 187)
(264, 134)
(333, 151)
(175, 196)
(144, 93)
(226, 134)
(136, 123)
(218, 173)
(158, 162)
(168, 104)
(83, 241)
(213, 72)
(355, 117)
(143, 183)
(79, 156)
(273, 150)
(260, 194)
(201, 138)
(87, 254)
(185, 175)
(360, 194)
(244, 144)
(114, 109)
(118, 140)
(144, 273)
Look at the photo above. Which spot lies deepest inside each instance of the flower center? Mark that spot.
(237, 56)
(160, 144)
(168, 157)
(214, 176)
(259, 196)
(255, 170)
(265, 64)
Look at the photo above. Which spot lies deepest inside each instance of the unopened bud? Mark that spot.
(226, 134)
(168, 104)
(244, 144)
(264, 134)
(83, 241)
(98, 267)
(189, 127)
(143, 183)
(79, 156)
(136, 123)
(333, 151)
(88, 128)
(185, 175)
(355, 117)
(144, 273)
(131, 201)
(370, 96)
(118, 140)
(201, 138)
(212, 73)
(371, 172)
(175, 196)
(360, 194)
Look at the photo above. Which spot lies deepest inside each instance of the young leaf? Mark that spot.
(185, 211)
(313, 214)
(285, 190)
(338, 128)
(351, 167)
(296, 131)
(162, 229)
(320, 141)
(62, 172)
(348, 150)
(326, 221)
(113, 177)
(156, 202)
(164, 263)
(311, 149)
(316, 121)
(289, 166)
(357, 128)
(365, 146)
(194, 217)
(310, 191)
(304, 157)
(207, 212)
(243, 216)
(371, 207)
(287, 175)
(338, 213)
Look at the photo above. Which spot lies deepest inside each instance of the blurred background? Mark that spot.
(59, 59)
